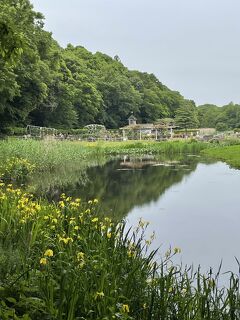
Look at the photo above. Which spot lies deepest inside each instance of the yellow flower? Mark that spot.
(90, 202)
(65, 240)
(61, 204)
(95, 201)
(184, 291)
(75, 204)
(76, 228)
(43, 261)
(95, 220)
(38, 207)
(148, 242)
(99, 295)
(3, 197)
(109, 235)
(80, 256)
(125, 308)
(48, 253)
(177, 250)
(142, 223)
(130, 253)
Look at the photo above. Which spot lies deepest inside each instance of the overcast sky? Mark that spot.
(192, 46)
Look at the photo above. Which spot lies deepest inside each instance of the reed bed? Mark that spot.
(45, 155)
(150, 147)
(48, 155)
(64, 260)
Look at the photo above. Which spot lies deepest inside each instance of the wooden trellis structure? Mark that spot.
(40, 132)
(96, 130)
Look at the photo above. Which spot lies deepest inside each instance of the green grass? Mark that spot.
(62, 261)
(229, 154)
(150, 147)
(47, 155)
(20, 159)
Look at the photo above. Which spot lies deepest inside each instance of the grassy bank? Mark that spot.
(229, 154)
(151, 147)
(62, 261)
(48, 155)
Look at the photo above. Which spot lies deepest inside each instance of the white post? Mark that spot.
(156, 134)
(123, 135)
(140, 134)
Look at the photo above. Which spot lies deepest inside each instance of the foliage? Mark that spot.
(63, 261)
(222, 118)
(68, 88)
(221, 126)
(51, 155)
(187, 116)
(16, 169)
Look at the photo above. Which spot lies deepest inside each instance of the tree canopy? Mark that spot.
(187, 116)
(44, 84)
(221, 118)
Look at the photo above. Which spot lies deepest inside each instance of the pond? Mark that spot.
(190, 202)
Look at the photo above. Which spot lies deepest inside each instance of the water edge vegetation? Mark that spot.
(63, 261)
(229, 154)
(68, 260)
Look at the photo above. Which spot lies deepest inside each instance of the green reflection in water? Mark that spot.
(119, 184)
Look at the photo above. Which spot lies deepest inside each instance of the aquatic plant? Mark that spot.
(66, 261)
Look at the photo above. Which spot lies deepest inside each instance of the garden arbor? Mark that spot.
(40, 132)
(96, 131)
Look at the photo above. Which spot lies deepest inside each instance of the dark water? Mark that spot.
(190, 203)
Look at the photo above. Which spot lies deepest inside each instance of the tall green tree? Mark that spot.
(187, 116)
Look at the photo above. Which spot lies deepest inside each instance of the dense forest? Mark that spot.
(221, 118)
(44, 84)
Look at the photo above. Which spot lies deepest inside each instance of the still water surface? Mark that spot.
(200, 214)
(190, 203)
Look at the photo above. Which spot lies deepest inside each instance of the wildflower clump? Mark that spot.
(66, 260)
(17, 169)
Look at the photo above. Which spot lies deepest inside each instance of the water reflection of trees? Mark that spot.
(121, 190)
(120, 185)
